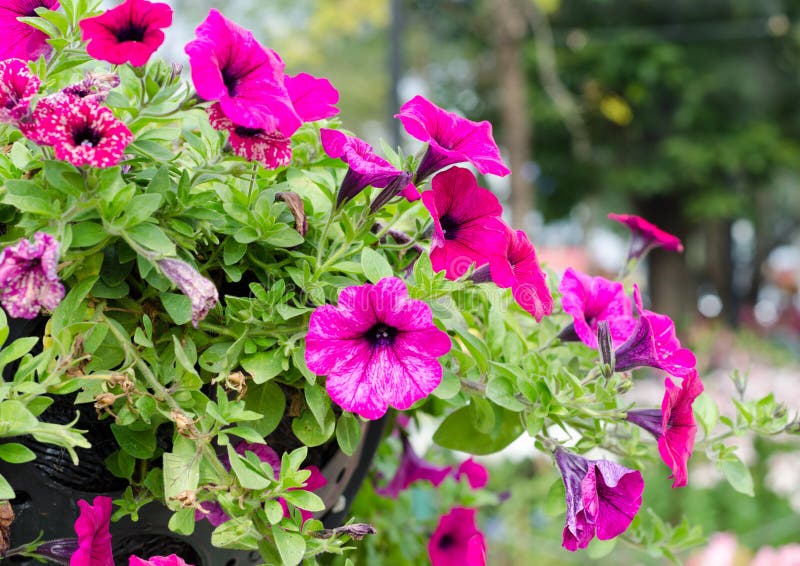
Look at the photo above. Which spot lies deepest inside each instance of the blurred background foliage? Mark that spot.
(685, 112)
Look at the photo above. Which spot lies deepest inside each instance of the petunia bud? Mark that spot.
(201, 291)
(58, 551)
(355, 531)
(606, 347)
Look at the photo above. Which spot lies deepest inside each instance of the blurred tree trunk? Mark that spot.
(510, 31)
(719, 266)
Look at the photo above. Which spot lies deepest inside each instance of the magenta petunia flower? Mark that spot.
(129, 33)
(17, 87)
(94, 538)
(201, 291)
(451, 139)
(312, 98)
(413, 468)
(212, 511)
(645, 236)
(171, 560)
(467, 227)
(366, 167)
(20, 40)
(230, 66)
(270, 148)
(602, 498)
(519, 269)
(378, 348)
(457, 540)
(674, 425)
(29, 278)
(476, 475)
(590, 300)
(654, 343)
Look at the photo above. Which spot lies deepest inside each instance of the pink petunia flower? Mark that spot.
(467, 227)
(94, 538)
(17, 87)
(645, 236)
(788, 555)
(129, 33)
(213, 511)
(313, 98)
(270, 148)
(590, 300)
(451, 139)
(365, 167)
(29, 278)
(20, 40)
(171, 560)
(476, 475)
(673, 425)
(457, 540)
(602, 498)
(654, 343)
(201, 291)
(412, 468)
(519, 269)
(230, 66)
(378, 348)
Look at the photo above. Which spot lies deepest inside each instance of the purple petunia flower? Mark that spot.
(413, 468)
(365, 167)
(457, 540)
(81, 131)
(28, 276)
(378, 348)
(213, 511)
(94, 537)
(230, 66)
(17, 87)
(129, 33)
(171, 560)
(673, 425)
(201, 291)
(590, 300)
(476, 475)
(20, 40)
(519, 269)
(467, 227)
(451, 139)
(645, 236)
(602, 498)
(654, 343)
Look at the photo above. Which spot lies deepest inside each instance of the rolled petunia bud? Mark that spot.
(201, 291)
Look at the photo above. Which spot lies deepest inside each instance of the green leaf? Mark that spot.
(554, 505)
(152, 237)
(304, 500)
(140, 209)
(318, 401)
(16, 419)
(291, 546)
(738, 475)
(458, 431)
(181, 471)
(182, 522)
(375, 265)
(501, 391)
(64, 177)
(600, 548)
(274, 511)
(348, 433)
(263, 366)
(6, 491)
(16, 453)
(178, 307)
(285, 238)
(245, 473)
(235, 533)
(267, 399)
(138, 443)
(87, 234)
(310, 432)
(706, 411)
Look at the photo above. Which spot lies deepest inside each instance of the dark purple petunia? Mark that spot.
(457, 540)
(412, 468)
(28, 276)
(645, 236)
(467, 227)
(602, 498)
(20, 40)
(673, 425)
(654, 343)
(129, 33)
(366, 168)
(230, 66)
(378, 348)
(451, 138)
(17, 87)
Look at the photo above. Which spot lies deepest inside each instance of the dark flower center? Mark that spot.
(247, 132)
(450, 226)
(131, 32)
(381, 335)
(231, 81)
(447, 541)
(86, 135)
